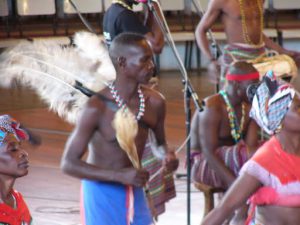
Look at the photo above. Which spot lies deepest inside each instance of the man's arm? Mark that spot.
(155, 36)
(170, 162)
(206, 22)
(252, 136)
(210, 120)
(195, 142)
(236, 196)
(77, 145)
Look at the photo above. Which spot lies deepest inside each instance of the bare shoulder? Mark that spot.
(214, 102)
(217, 4)
(93, 109)
(154, 97)
(213, 108)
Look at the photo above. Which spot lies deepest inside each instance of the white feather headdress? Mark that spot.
(52, 71)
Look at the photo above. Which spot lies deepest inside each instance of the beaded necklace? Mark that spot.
(246, 37)
(120, 2)
(121, 104)
(236, 130)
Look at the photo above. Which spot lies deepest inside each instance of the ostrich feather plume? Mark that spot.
(51, 70)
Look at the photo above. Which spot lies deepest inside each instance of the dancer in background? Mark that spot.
(271, 178)
(243, 25)
(223, 137)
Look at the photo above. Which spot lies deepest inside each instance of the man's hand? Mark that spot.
(170, 162)
(214, 72)
(131, 176)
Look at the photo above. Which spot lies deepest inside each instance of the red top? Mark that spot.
(18, 216)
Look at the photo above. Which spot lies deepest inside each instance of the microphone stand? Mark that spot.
(189, 94)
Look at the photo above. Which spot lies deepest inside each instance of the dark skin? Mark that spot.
(106, 160)
(155, 35)
(246, 185)
(211, 128)
(13, 164)
(229, 13)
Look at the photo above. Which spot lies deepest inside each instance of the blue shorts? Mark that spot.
(104, 203)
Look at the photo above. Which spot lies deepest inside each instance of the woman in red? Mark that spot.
(13, 164)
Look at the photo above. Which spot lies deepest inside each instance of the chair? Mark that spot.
(208, 192)
(35, 8)
(4, 13)
(84, 7)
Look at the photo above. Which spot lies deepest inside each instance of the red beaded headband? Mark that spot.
(242, 77)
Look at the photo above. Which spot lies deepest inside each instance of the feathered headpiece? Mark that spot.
(53, 71)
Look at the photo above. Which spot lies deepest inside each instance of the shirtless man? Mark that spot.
(108, 176)
(212, 128)
(270, 180)
(223, 137)
(243, 26)
(120, 18)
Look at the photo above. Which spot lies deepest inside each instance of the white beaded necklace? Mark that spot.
(121, 104)
(122, 4)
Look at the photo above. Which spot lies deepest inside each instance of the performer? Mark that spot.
(270, 179)
(243, 25)
(13, 164)
(223, 135)
(120, 18)
(112, 180)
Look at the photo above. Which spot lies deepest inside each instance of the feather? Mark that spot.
(52, 71)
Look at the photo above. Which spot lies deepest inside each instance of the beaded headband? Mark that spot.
(10, 130)
(242, 77)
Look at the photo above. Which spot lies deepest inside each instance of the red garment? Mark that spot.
(279, 173)
(18, 216)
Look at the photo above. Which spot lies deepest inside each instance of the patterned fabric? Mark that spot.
(279, 173)
(233, 157)
(161, 189)
(271, 102)
(241, 52)
(10, 128)
(104, 203)
(15, 216)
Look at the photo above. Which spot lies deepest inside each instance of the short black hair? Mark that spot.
(122, 42)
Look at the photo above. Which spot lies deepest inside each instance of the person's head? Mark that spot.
(132, 57)
(13, 159)
(239, 76)
(276, 105)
